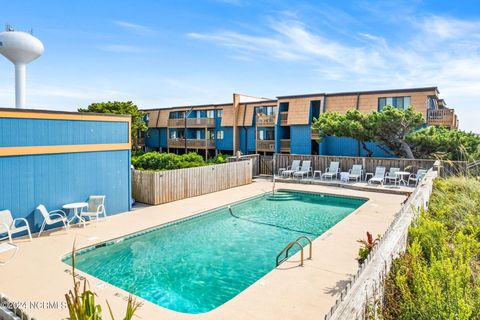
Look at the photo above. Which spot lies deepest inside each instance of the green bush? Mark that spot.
(169, 161)
(438, 276)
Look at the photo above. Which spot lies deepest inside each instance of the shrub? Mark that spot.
(437, 278)
(170, 161)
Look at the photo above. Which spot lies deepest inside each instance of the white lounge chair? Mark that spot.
(356, 172)
(95, 208)
(8, 225)
(6, 247)
(305, 170)
(332, 171)
(417, 177)
(293, 168)
(392, 175)
(379, 175)
(52, 217)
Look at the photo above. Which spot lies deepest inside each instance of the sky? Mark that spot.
(170, 53)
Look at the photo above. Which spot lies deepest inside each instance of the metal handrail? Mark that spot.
(287, 248)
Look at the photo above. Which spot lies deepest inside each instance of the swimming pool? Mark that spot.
(196, 264)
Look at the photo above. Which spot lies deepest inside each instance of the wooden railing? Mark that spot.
(284, 118)
(321, 163)
(191, 143)
(266, 145)
(265, 120)
(285, 145)
(166, 186)
(442, 117)
(191, 123)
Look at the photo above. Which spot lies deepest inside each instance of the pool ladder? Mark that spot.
(289, 246)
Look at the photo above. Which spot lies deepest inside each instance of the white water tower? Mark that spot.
(20, 48)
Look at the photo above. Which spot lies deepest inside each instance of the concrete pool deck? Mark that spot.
(37, 274)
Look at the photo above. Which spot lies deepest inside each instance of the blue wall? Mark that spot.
(153, 138)
(43, 132)
(300, 139)
(250, 144)
(56, 179)
(342, 146)
(227, 142)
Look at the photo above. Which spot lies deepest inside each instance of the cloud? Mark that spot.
(134, 28)
(431, 51)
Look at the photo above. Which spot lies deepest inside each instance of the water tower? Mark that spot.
(20, 48)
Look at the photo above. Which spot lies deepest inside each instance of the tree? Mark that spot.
(352, 124)
(446, 144)
(389, 127)
(119, 107)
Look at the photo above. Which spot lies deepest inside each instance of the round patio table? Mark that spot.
(74, 207)
(401, 174)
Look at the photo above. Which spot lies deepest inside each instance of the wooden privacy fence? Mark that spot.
(157, 187)
(368, 164)
(367, 284)
(255, 158)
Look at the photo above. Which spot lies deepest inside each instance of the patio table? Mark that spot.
(317, 172)
(402, 174)
(74, 207)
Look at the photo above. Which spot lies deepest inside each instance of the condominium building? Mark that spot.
(281, 125)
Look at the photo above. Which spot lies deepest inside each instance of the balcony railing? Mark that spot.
(284, 145)
(442, 117)
(283, 118)
(191, 143)
(266, 145)
(264, 120)
(192, 122)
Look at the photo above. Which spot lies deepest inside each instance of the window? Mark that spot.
(199, 134)
(261, 135)
(220, 135)
(173, 134)
(270, 134)
(397, 102)
(219, 113)
(266, 110)
(211, 134)
(210, 114)
(177, 114)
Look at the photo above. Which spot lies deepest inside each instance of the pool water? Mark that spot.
(196, 265)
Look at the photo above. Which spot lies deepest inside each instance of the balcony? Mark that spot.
(442, 117)
(192, 143)
(192, 123)
(284, 118)
(284, 145)
(266, 145)
(265, 120)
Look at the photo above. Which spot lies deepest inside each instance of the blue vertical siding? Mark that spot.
(227, 142)
(16, 132)
(57, 179)
(163, 136)
(247, 145)
(300, 139)
(153, 138)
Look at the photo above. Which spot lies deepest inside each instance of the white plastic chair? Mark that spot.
(293, 168)
(356, 172)
(95, 208)
(52, 217)
(8, 225)
(306, 169)
(333, 170)
(392, 175)
(379, 175)
(417, 177)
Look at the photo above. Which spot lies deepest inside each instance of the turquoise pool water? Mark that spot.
(197, 264)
